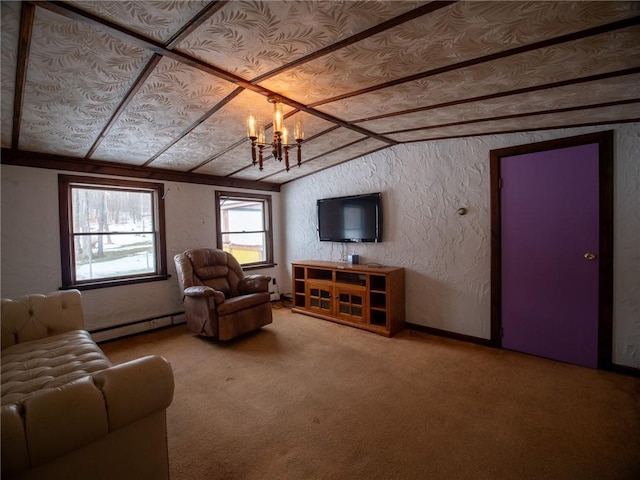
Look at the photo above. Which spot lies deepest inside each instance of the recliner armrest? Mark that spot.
(203, 291)
(254, 284)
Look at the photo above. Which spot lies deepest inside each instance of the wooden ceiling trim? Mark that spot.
(74, 13)
(381, 27)
(218, 155)
(261, 179)
(527, 129)
(550, 42)
(251, 165)
(234, 145)
(269, 156)
(449, 137)
(27, 16)
(77, 14)
(317, 135)
(195, 124)
(194, 23)
(97, 167)
(336, 164)
(240, 142)
(492, 96)
(137, 84)
(189, 27)
(337, 121)
(519, 115)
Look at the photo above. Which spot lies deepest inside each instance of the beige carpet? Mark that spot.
(309, 399)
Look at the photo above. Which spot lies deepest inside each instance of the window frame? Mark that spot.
(66, 183)
(268, 224)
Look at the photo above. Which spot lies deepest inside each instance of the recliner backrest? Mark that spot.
(216, 269)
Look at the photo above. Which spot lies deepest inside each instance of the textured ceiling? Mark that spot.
(166, 85)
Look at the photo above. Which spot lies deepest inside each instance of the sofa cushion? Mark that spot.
(48, 363)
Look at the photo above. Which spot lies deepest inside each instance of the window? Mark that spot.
(244, 227)
(111, 232)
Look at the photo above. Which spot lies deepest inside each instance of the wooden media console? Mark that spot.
(367, 297)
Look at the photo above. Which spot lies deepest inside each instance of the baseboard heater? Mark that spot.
(138, 326)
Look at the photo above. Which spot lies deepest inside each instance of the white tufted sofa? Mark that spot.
(67, 412)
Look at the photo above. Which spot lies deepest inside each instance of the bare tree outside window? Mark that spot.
(115, 230)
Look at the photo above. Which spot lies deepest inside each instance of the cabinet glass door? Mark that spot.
(351, 305)
(320, 298)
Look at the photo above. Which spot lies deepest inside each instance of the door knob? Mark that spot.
(590, 256)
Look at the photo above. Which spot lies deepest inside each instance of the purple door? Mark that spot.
(549, 226)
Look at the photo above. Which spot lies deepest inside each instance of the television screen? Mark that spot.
(357, 218)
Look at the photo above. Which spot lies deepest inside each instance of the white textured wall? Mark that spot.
(446, 256)
(30, 247)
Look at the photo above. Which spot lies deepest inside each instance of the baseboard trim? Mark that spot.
(625, 370)
(445, 333)
(138, 326)
(616, 368)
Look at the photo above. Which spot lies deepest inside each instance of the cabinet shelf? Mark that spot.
(364, 297)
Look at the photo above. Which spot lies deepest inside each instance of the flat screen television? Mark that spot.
(356, 218)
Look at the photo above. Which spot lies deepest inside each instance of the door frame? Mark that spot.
(605, 252)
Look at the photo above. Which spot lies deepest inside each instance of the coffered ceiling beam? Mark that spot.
(550, 111)
(201, 17)
(195, 124)
(188, 28)
(27, 14)
(550, 42)
(359, 155)
(527, 129)
(381, 27)
(73, 164)
(519, 91)
(74, 13)
(148, 69)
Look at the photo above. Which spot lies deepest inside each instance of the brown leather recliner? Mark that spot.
(220, 301)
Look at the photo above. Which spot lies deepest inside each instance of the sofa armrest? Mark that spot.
(203, 291)
(253, 284)
(15, 455)
(36, 316)
(55, 421)
(135, 389)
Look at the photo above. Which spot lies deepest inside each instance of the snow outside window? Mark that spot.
(112, 231)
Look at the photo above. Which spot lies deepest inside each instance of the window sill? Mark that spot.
(258, 267)
(115, 283)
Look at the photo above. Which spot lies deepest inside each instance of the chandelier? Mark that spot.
(280, 145)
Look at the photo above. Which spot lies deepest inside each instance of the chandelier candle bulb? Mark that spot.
(251, 125)
(277, 117)
(297, 132)
(279, 145)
